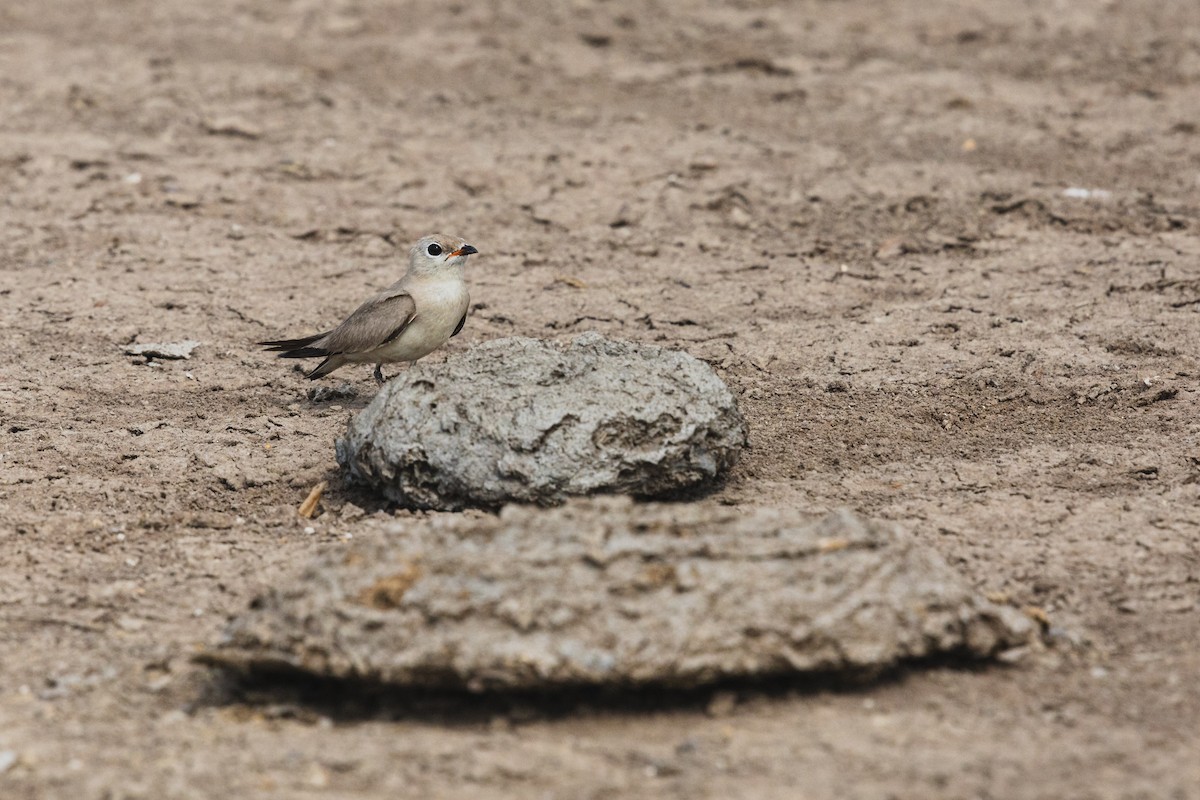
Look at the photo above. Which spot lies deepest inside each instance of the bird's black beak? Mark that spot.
(465, 250)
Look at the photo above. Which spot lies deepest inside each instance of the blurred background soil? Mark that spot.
(945, 253)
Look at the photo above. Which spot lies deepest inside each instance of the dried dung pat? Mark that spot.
(609, 592)
(530, 421)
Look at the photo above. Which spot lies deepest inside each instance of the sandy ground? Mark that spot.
(944, 252)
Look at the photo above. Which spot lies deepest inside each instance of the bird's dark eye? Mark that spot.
(434, 249)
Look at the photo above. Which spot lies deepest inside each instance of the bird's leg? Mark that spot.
(379, 373)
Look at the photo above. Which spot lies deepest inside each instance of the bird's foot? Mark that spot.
(379, 374)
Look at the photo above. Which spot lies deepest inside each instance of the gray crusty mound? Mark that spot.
(531, 421)
(611, 592)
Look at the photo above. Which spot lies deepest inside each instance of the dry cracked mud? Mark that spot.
(944, 253)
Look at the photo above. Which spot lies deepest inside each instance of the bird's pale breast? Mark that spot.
(439, 307)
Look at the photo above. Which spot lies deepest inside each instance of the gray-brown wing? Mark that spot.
(376, 322)
(458, 328)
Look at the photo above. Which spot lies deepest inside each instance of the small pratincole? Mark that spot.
(411, 318)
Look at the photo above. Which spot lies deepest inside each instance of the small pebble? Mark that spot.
(1079, 193)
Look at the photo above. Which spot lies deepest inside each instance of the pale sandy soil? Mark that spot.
(858, 212)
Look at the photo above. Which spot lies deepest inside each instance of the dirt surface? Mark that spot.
(945, 253)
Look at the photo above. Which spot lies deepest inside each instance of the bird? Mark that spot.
(411, 318)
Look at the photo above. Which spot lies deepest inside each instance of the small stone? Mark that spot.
(183, 200)
(349, 512)
(318, 776)
(232, 126)
(740, 217)
(322, 394)
(891, 248)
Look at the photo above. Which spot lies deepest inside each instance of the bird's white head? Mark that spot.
(438, 253)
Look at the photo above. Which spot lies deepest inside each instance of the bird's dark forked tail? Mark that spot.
(295, 348)
(302, 348)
